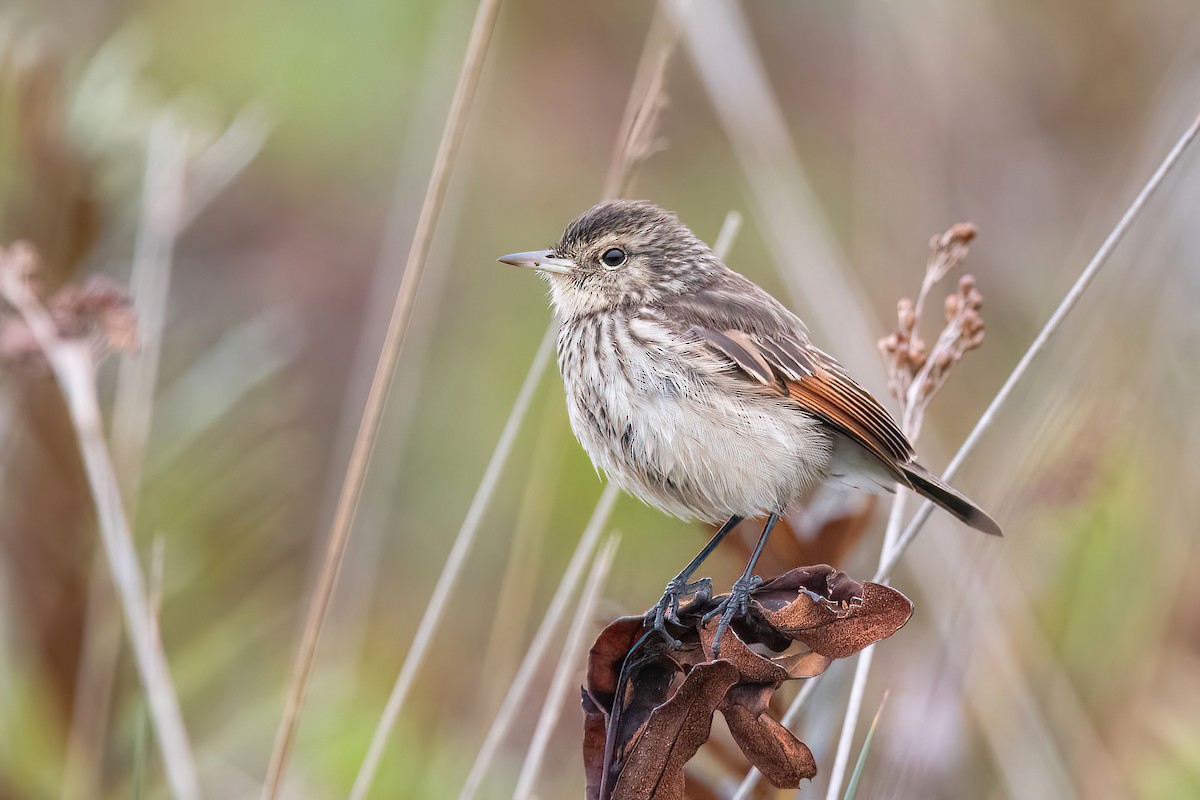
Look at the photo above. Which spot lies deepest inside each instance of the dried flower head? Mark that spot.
(949, 250)
(99, 310)
(915, 371)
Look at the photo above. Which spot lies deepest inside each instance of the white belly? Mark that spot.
(695, 449)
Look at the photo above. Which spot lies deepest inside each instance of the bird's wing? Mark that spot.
(768, 345)
(817, 384)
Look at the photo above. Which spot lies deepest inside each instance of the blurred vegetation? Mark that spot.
(1038, 123)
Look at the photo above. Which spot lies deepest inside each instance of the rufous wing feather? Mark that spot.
(820, 386)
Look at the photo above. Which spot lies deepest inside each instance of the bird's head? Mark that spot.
(620, 253)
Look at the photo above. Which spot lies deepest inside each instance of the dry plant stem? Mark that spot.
(150, 281)
(223, 160)
(481, 33)
(913, 403)
(635, 140)
(893, 554)
(541, 642)
(166, 210)
(463, 542)
(72, 364)
(349, 613)
(569, 665)
(100, 652)
(515, 596)
(729, 231)
(1039, 344)
(862, 669)
(723, 53)
(162, 208)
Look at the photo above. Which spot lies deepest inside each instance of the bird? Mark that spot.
(696, 391)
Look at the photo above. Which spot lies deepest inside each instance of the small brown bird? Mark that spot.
(699, 393)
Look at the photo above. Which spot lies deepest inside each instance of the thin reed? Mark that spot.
(360, 456)
(74, 369)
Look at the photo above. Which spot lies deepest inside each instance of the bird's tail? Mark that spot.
(928, 485)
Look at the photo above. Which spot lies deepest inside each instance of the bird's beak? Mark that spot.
(543, 260)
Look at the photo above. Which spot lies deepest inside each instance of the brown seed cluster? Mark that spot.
(98, 310)
(915, 370)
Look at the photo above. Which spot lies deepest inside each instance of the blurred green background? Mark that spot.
(1063, 661)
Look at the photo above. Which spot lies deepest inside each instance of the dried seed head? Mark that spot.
(906, 313)
(98, 310)
(948, 251)
(952, 306)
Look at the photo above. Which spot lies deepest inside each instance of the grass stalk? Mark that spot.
(569, 664)
(360, 456)
(635, 137)
(150, 281)
(174, 192)
(463, 542)
(161, 217)
(540, 644)
(74, 369)
(864, 753)
(862, 669)
(349, 612)
(515, 598)
(724, 56)
(729, 231)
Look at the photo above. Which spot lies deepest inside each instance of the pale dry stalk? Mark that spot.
(569, 665)
(162, 203)
(176, 187)
(360, 456)
(540, 645)
(439, 600)
(725, 58)
(916, 378)
(74, 369)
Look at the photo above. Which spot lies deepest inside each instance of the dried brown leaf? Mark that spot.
(829, 612)
(648, 702)
(673, 734)
(783, 759)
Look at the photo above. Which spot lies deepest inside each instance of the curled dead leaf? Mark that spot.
(648, 702)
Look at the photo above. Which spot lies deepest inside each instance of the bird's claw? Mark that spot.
(737, 604)
(667, 609)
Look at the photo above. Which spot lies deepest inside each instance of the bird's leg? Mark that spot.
(667, 609)
(738, 602)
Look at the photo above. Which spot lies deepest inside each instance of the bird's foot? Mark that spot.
(667, 609)
(737, 604)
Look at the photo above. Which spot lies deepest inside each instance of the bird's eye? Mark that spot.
(613, 257)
